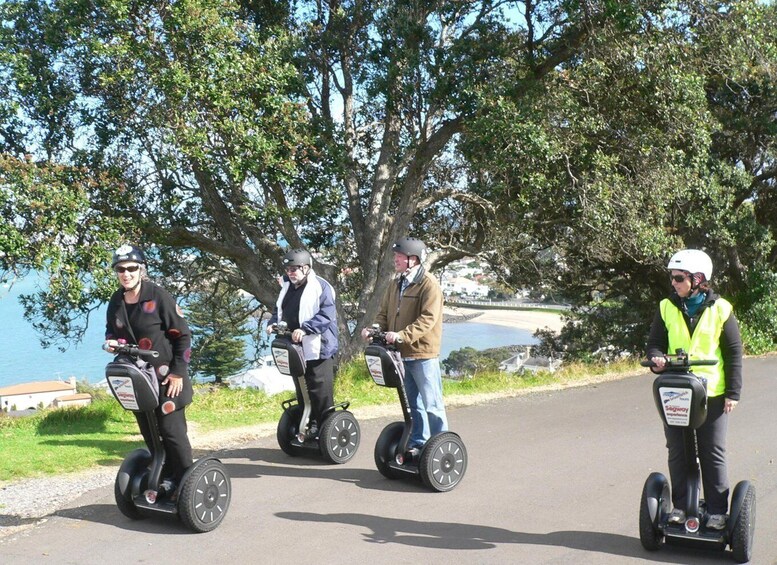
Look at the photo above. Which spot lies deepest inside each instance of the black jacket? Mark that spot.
(730, 342)
(158, 324)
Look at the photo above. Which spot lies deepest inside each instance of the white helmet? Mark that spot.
(692, 260)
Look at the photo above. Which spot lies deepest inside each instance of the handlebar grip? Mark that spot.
(148, 352)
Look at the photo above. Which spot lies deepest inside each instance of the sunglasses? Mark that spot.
(293, 268)
(131, 269)
(678, 278)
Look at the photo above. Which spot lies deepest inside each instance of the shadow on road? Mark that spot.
(282, 465)
(108, 514)
(449, 535)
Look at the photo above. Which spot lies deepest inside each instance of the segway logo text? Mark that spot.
(375, 366)
(124, 392)
(281, 357)
(677, 405)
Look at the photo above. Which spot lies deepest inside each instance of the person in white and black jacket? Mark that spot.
(306, 303)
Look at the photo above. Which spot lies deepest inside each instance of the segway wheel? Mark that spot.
(288, 426)
(204, 497)
(386, 448)
(131, 471)
(744, 527)
(339, 437)
(443, 462)
(655, 504)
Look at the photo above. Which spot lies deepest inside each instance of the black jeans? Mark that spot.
(175, 439)
(319, 378)
(711, 439)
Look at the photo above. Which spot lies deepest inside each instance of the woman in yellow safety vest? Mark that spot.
(702, 323)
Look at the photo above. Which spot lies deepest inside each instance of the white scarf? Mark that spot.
(308, 307)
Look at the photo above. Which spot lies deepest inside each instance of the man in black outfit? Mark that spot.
(307, 304)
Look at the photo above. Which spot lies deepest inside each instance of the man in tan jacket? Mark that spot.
(411, 313)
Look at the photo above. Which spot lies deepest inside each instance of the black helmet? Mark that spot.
(297, 257)
(128, 253)
(411, 246)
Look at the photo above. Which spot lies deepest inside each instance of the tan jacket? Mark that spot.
(417, 317)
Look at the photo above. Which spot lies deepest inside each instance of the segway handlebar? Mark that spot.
(281, 328)
(379, 337)
(132, 350)
(680, 360)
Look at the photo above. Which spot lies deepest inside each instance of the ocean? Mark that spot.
(22, 359)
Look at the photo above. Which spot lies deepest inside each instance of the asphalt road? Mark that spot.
(552, 478)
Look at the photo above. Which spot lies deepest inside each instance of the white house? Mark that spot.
(525, 361)
(80, 399)
(42, 394)
(266, 377)
(462, 285)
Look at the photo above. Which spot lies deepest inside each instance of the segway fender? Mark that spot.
(128, 471)
(737, 499)
(654, 487)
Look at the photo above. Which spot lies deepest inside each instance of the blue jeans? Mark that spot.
(423, 384)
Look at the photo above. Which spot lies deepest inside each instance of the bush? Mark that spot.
(756, 310)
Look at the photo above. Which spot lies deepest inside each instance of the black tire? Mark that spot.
(132, 469)
(339, 437)
(386, 448)
(443, 462)
(655, 492)
(204, 497)
(288, 427)
(743, 529)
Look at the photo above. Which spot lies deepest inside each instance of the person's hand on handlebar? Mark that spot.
(109, 345)
(366, 334)
(270, 329)
(659, 363)
(391, 337)
(297, 335)
(174, 385)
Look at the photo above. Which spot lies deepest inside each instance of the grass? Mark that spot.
(74, 439)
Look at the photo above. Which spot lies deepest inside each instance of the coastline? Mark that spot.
(531, 320)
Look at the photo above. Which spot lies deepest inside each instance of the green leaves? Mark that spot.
(572, 144)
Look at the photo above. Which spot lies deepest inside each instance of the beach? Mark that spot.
(531, 320)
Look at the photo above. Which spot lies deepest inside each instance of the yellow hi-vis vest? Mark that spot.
(705, 342)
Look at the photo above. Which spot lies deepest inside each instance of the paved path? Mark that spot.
(553, 478)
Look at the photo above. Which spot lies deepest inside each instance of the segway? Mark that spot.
(338, 436)
(681, 399)
(442, 461)
(205, 490)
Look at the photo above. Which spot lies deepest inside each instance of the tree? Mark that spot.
(627, 157)
(468, 360)
(218, 321)
(217, 132)
(227, 128)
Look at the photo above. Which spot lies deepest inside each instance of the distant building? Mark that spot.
(463, 286)
(41, 394)
(525, 361)
(80, 399)
(265, 377)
